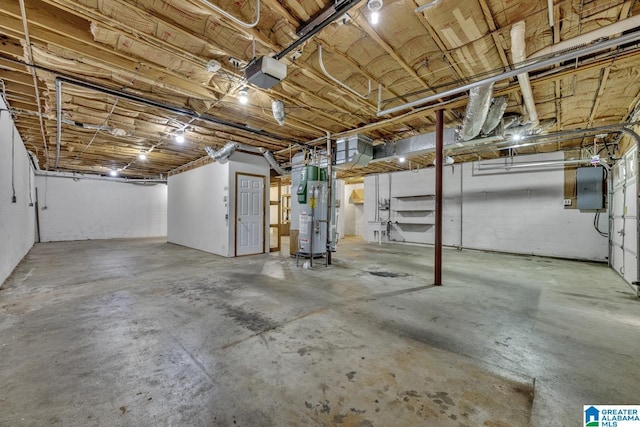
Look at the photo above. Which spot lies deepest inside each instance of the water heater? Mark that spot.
(312, 194)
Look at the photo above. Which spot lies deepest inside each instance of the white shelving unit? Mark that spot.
(412, 218)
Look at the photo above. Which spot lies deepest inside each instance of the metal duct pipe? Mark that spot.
(268, 155)
(519, 56)
(534, 65)
(222, 155)
(477, 110)
(495, 114)
(586, 38)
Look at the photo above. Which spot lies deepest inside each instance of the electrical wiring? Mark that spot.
(596, 220)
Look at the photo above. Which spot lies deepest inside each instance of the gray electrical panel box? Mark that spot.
(590, 183)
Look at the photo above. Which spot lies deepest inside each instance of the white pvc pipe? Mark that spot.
(519, 57)
(590, 37)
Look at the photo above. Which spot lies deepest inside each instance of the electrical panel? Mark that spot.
(590, 185)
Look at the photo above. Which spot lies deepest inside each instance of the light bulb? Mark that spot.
(401, 159)
(516, 137)
(142, 156)
(180, 137)
(375, 17)
(113, 172)
(243, 96)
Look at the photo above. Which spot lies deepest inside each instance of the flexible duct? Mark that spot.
(518, 56)
(222, 155)
(496, 111)
(477, 110)
(273, 162)
(277, 107)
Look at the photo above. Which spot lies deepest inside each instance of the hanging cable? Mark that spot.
(596, 220)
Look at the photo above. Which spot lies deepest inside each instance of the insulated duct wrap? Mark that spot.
(268, 155)
(277, 107)
(477, 110)
(496, 111)
(222, 155)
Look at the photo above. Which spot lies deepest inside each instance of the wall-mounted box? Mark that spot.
(590, 186)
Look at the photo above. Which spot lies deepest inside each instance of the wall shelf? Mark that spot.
(412, 217)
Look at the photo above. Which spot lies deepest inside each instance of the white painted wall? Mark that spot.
(91, 207)
(198, 209)
(352, 213)
(516, 210)
(17, 220)
(201, 204)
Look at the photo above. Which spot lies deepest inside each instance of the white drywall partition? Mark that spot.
(17, 220)
(198, 209)
(503, 209)
(92, 207)
(201, 204)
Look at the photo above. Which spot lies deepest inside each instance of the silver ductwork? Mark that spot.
(277, 108)
(496, 111)
(222, 155)
(477, 110)
(268, 155)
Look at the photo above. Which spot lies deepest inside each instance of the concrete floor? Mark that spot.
(146, 333)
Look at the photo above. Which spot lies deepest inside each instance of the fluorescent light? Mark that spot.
(375, 17)
(113, 172)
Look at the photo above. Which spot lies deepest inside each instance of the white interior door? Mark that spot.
(249, 214)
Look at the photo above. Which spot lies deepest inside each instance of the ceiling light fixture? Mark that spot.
(180, 136)
(142, 155)
(402, 159)
(243, 95)
(516, 137)
(374, 6)
(213, 66)
(113, 172)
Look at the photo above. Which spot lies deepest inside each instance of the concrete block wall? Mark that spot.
(492, 208)
(17, 220)
(91, 207)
